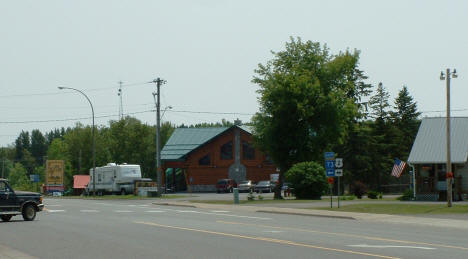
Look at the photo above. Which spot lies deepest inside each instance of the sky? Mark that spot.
(207, 52)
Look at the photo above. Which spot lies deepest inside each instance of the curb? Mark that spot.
(306, 214)
(174, 204)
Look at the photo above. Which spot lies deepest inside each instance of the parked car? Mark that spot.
(225, 185)
(246, 186)
(264, 186)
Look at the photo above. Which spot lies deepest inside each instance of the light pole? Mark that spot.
(448, 170)
(93, 136)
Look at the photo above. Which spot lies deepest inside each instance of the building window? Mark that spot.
(226, 151)
(206, 160)
(248, 152)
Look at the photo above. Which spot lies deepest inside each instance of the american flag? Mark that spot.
(398, 168)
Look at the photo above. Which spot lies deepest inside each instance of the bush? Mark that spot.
(407, 196)
(348, 198)
(308, 180)
(372, 194)
(250, 197)
(359, 189)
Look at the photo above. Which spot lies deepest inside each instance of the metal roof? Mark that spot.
(185, 140)
(430, 145)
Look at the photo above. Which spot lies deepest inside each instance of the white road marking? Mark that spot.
(123, 211)
(52, 205)
(143, 205)
(220, 211)
(152, 211)
(273, 231)
(55, 210)
(89, 210)
(392, 246)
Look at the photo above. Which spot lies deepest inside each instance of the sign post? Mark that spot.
(339, 173)
(330, 171)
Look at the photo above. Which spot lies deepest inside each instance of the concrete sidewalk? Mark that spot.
(394, 219)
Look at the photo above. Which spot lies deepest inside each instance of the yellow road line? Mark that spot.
(346, 235)
(272, 240)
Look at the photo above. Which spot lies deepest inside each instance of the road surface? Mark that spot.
(73, 228)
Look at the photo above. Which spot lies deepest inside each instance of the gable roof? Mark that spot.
(430, 145)
(185, 140)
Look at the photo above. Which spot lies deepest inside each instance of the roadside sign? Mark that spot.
(331, 180)
(339, 162)
(34, 178)
(330, 172)
(339, 172)
(329, 155)
(329, 164)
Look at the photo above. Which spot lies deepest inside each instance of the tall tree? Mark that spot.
(307, 98)
(38, 146)
(406, 118)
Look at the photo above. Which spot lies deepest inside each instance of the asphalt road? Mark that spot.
(139, 229)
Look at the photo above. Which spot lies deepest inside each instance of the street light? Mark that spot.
(93, 136)
(449, 173)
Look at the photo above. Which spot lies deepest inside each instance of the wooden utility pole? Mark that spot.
(158, 83)
(449, 173)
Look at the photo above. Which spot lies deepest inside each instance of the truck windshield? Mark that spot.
(130, 172)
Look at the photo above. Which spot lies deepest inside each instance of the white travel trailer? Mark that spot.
(114, 178)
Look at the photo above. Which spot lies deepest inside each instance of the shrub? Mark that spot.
(260, 197)
(308, 180)
(372, 194)
(407, 196)
(348, 198)
(250, 197)
(359, 189)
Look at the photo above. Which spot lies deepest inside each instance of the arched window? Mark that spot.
(226, 151)
(248, 151)
(206, 160)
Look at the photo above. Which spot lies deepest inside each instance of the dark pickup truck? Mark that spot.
(14, 203)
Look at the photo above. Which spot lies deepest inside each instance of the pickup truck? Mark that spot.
(14, 203)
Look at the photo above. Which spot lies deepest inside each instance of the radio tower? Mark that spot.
(120, 104)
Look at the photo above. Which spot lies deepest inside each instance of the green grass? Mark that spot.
(402, 209)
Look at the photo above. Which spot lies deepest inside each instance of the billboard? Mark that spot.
(54, 172)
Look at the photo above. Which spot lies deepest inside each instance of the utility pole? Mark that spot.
(3, 168)
(157, 101)
(120, 103)
(449, 173)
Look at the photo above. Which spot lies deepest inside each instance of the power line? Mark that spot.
(60, 93)
(116, 115)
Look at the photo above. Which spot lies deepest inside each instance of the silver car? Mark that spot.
(245, 186)
(264, 186)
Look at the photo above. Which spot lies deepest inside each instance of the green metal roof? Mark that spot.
(185, 140)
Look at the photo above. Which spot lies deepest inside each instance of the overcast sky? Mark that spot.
(207, 51)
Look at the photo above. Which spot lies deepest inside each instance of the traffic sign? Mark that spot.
(339, 162)
(330, 164)
(331, 180)
(339, 172)
(330, 172)
(329, 155)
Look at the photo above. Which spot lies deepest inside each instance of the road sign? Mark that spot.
(330, 164)
(329, 155)
(330, 172)
(331, 180)
(339, 162)
(34, 178)
(339, 172)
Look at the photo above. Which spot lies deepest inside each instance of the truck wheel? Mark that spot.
(122, 192)
(29, 212)
(6, 218)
